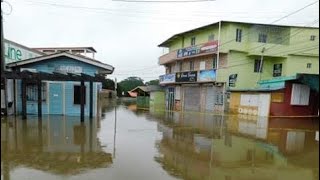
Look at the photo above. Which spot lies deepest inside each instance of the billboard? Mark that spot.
(190, 76)
(167, 78)
(210, 46)
(207, 75)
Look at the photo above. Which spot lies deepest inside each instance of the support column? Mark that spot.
(39, 99)
(91, 100)
(82, 100)
(24, 99)
(14, 97)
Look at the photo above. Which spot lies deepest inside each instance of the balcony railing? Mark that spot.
(192, 51)
(189, 77)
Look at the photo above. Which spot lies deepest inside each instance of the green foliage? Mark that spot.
(108, 84)
(153, 82)
(128, 84)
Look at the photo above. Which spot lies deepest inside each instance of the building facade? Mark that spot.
(206, 64)
(61, 73)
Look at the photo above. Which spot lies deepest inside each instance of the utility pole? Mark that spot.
(3, 79)
(260, 65)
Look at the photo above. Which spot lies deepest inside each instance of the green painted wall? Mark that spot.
(290, 46)
(157, 100)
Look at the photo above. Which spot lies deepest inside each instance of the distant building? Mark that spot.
(61, 73)
(206, 64)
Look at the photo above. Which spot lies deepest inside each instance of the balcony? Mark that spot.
(201, 76)
(192, 51)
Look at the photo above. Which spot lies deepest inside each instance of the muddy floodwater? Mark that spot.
(126, 143)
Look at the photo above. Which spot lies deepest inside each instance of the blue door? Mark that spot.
(55, 98)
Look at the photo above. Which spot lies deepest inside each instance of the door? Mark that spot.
(192, 98)
(264, 104)
(55, 98)
(170, 99)
(210, 98)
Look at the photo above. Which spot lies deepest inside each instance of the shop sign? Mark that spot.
(15, 53)
(190, 76)
(69, 69)
(232, 80)
(207, 75)
(210, 46)
(277, 70)
(167, 78)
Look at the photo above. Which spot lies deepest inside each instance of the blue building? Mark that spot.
(60, 95)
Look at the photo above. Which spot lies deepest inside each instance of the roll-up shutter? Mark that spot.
(210, 98)
(192, 98)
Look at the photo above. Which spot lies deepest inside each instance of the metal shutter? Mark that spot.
(192, 98)
(210, 98)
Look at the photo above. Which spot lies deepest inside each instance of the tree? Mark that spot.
(108, 84)
(153, 82)
(128, 84)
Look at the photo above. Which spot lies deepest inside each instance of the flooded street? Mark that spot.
(126, 143)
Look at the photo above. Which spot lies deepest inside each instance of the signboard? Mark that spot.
(190, 76)
(277, 70)
(13, 52)
(168, 78)
(232, 80)
(210, 46)
(207, 75)
(69, 69)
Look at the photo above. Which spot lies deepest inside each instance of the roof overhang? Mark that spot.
(108, 69)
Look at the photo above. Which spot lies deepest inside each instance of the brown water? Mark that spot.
(154, 145)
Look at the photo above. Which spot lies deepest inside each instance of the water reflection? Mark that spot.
(56, 144)
(199, 146)
(130, 143)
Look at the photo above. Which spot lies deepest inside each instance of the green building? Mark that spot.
(204, 63)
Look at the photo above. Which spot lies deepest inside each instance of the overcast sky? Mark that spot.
(126, 34)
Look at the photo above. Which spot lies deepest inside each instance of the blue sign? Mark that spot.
(207, 75)
(193, 50)
(168, 78)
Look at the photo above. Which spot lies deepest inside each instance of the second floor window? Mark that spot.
(312, 37)
(211, 37)
(180, 66)
(257, 67)
(214, 62)
(191, 63)
(193, 41)
(309, 65)
(238, 35)
(262, 38)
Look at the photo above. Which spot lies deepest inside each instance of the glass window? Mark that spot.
(238, 35)
(309, 65)
(214, 63)
(257, 63)
(191, 65)
(77, 94)
(262, 38)
(193, 41)
(211, 37)
(32, 91)
(312, 37)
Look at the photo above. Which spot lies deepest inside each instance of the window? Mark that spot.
(214, 62)
(277, 70)
(257, 63)
(312, 37)
(300, 94)
(262, 38)
(77, 94)
(238, 35)
(309, 65)
(211, 37)
(193, 41)
(277, 97)
(180, 66)
(191, 65)
(32, 91)
(202, 65)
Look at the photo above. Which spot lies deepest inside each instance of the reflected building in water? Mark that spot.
(198, 146)
(57, 144)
